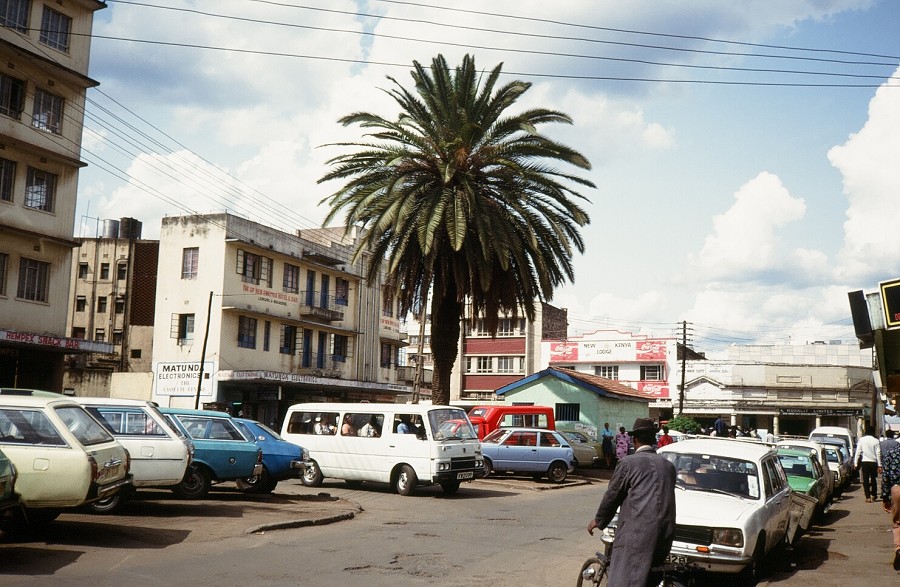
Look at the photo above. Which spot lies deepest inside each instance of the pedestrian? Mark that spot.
(890, 496)
(664, 438)
(609, 451)
(868, 459)
(642, 490)
(887, 444)
(622, 443)
(720, 428)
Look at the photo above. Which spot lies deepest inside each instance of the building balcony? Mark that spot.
(323, 308)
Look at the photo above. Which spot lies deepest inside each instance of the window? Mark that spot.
(190, 257)
(104, 271)
(135, 353)
(568, 412)
(287, 344)
(40, 188)
(101, 304)
(506, 327)
(4, 262)
(291, 282)
(182, 328)
(117, 337)
(100, 335)
(607, 371)
(506, 364)
(78, 332)
(34, 280)
(254, 268)
(341, 292)
(341, 345)
(310, 287)
(82, 270)
(267, 334)
(47, 113)
(387, 303)
(12, 96)
(385, 354)
(7, 178)
(121, 271)
(120, 305)
(651, 372)
(325, 292)
(55, 28)
(247, 332)
(14, 14)
(484, 364)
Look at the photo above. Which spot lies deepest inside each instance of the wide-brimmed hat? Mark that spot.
(643, 425)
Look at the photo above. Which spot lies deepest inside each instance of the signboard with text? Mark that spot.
(180, 379)
(890, 301)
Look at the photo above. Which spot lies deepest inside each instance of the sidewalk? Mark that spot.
(852, 545)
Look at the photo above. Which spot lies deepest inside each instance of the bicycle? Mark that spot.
(594, 571)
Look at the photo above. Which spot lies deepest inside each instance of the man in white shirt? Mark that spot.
(868, 457)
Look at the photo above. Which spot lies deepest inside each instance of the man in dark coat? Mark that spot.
(642, 489)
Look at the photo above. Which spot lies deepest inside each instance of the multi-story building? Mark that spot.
(251, 319)
(113, 297)
(486, 363)
(45, 50)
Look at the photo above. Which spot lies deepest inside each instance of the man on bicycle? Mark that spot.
(642, 489)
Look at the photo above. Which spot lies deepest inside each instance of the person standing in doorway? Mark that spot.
(868, 459)
(642, 491)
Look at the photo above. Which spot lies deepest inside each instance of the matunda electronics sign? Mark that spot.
(180, 379)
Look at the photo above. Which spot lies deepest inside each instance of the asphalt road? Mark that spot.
(494, 532)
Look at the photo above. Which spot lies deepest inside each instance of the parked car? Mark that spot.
(528, 450)
(8, 497)
(805, 475)
(818, 450)
(839, 459)
(588, 453)
(281, 459)
(65, 458)
(734, 504)
(845, 434)
(160, 456)
(221, 451)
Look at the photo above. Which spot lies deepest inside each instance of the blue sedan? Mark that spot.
(281, 459)
(528, 450)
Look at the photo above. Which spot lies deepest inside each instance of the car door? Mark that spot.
(519, 451)
(778, 502)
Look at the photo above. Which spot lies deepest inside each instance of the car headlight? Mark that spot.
(728, 537)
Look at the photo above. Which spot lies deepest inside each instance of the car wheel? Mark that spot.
(106, 506)
(755, 570)
(557, 472)
(488, 467)
(195, 485)
(405, 481)
(256, 484)
(312, 476)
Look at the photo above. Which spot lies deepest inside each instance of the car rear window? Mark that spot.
(24, 426)
(86, 429)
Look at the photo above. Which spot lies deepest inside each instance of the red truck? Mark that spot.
(486, 419)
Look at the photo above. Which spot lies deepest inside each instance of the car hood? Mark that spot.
(702, 508)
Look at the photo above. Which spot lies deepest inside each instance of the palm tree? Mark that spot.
(457, 199)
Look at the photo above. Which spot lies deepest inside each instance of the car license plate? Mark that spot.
(677, 559)
(466, 475)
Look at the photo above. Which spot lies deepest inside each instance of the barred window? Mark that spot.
(55, 29)
(14, 14)
(40, 189)
(34, 280)
(287, 344)
(247, 332)
(291, 281)
(48, 111)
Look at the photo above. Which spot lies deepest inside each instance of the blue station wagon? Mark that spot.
(528, 450)
(281, 459)
(221, 451)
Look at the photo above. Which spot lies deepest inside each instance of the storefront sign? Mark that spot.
(819, 412)
(180, 379)
(57, 342)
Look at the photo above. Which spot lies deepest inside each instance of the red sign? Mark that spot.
(654, 389)
(562, 351)
(650, 350)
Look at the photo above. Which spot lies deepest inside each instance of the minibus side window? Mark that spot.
(367, 425)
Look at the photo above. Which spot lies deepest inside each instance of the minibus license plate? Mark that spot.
(466, 475)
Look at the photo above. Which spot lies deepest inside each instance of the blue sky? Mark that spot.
(747, 209)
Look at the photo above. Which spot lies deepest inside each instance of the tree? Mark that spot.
(460, 200)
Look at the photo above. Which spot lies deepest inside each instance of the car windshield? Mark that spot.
(495, 437)
(796, 466)
(86, 429)
(832, 455)
(451, 423)
(716, 474)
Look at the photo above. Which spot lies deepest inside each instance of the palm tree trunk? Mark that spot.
(446, 313)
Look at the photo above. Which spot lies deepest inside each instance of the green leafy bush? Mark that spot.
(684, 424)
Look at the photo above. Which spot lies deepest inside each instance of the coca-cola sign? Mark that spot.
(650, 350)
(655, 389)
(563, 351)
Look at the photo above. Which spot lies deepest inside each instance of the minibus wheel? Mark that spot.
(405, 481)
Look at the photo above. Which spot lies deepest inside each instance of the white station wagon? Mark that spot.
(159, 455)
(733, 504)
(65, 457)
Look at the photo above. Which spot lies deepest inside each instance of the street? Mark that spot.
(501, 531)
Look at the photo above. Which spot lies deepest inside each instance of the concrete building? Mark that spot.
(113, 300)
(486, 363)
(45, 51)
(289, 318)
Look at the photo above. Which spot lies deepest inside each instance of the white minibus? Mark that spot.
(404, 445)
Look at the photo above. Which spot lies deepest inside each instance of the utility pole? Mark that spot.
(203, 352)
(683, 366)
